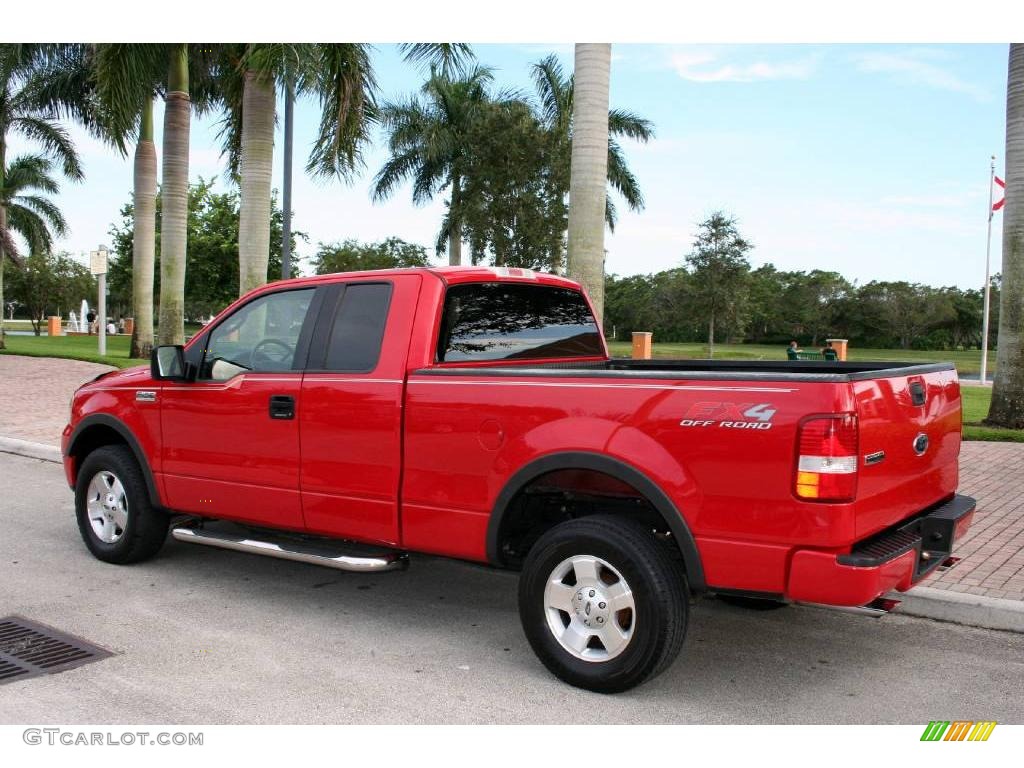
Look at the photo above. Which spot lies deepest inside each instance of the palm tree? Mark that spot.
(67, 83)
(22, 113)
(339, 76)
(589, 170)
(427, 139)
(128, 76)
(25, 209)
(555, 94)
(1007, 407)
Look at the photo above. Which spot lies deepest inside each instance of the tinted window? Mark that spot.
(260, 336)
(358, 328)
(506, 321)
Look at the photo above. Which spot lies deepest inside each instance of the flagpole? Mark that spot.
(988, 280)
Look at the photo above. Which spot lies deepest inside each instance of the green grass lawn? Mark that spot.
(975, 402)
(73, 347)
(967, 362)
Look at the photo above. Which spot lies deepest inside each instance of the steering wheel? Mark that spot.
(278, 359)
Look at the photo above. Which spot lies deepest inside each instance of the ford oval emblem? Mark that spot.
(921, 444)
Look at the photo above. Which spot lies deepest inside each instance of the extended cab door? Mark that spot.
(230, 446)
(351, 420)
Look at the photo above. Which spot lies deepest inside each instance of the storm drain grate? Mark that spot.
(29, 649)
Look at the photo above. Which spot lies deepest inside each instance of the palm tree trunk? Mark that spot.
(589, 170)
(455, 224)
(255, 167)
(1007, 407)
(144, 236)
(174, 200)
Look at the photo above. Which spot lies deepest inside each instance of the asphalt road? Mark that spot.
(209, 636)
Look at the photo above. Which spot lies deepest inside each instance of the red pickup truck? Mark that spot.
(350, 419)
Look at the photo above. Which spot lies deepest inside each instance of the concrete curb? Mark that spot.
(30, 449)
(961, 608)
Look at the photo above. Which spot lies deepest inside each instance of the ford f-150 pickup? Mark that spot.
(350, 419)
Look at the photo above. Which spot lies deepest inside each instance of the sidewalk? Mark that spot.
(35, 409)
(35, 395)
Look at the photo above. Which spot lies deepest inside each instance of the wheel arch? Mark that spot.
(611, 467)
(101, 429)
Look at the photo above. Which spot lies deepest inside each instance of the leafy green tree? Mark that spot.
(513, 214)
(213, 226)
(51, 284)
(428, 141)
(721, 273)
(354, 256)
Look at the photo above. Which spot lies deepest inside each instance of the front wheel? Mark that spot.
(115, 517)
(603, 603)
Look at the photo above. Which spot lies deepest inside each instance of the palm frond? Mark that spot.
(346, 88)
(622, 122)
(31, 226)
(46, 210)
(448, 58)
(127, 75)
(28, 172)
(551, 85)
(622, 179)
(54, 139)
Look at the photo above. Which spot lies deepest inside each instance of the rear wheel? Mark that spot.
(115, 517)
(603, 603)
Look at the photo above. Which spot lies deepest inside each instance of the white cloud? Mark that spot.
(919, 67)
(703, 65)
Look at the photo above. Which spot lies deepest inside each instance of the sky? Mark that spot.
(872, 161)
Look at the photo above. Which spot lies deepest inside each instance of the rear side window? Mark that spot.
(357, 332)
(509, 321)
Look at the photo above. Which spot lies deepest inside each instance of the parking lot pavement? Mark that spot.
(209, 636)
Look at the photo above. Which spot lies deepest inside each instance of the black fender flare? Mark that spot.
(609, 466)
(106, 420)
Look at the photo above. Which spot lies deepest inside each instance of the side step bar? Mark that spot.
(880, 606)
(293, 550)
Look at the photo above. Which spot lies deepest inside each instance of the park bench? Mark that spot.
(811, 356)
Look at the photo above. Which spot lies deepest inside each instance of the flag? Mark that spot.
(999, 203)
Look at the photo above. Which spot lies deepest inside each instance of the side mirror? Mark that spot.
(168, 363)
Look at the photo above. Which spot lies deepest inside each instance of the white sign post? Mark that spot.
(98, 267)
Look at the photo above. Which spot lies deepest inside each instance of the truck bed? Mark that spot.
(719, 370)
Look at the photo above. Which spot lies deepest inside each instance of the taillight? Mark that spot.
(826, 468)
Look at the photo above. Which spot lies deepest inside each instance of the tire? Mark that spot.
(126, 529)
(572, 619)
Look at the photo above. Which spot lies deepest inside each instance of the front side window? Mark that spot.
(260, 337)
(509, 321)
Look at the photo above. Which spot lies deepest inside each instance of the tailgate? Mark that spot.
(909, 445)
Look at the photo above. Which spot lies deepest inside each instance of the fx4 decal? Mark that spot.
(729, 415)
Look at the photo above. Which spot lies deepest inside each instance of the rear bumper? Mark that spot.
(896, 558)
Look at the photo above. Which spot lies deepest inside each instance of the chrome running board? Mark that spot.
(314, 554)
(880, 606)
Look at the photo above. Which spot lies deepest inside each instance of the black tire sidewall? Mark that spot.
(650, 618)
(117, 460)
